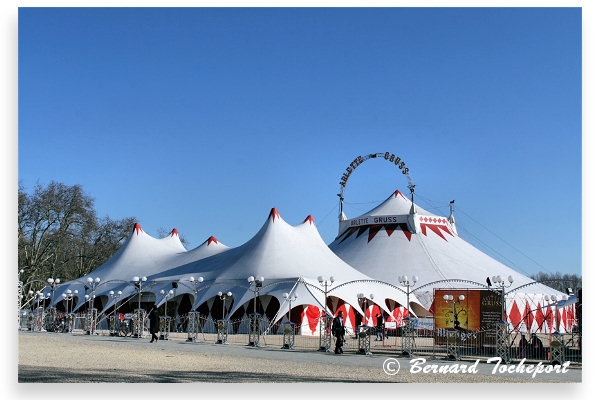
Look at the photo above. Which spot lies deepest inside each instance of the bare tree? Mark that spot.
(558, 281)
(59, 234)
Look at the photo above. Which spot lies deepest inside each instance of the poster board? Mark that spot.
(479, 311)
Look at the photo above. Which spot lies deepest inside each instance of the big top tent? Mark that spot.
(290, 258)
(399, 238)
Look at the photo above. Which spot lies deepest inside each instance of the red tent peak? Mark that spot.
(274, 213)
(310, 220)
(397, 192)
(211, 239)
(137, 228)
(174, 232)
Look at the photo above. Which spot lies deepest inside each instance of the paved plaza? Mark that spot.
(48, 357)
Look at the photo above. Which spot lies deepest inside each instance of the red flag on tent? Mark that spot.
(515, 315)
(528, 317)
(570, 317)
(539, 318)
(549, 318)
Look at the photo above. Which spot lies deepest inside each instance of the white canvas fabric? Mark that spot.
(141, 255)
(286, 256)
(393, 243)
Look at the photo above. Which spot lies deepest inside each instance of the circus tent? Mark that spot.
(140, 255)
(290, 258)
(371, 251)
(396, 239)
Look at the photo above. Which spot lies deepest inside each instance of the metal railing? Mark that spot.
(408, 339)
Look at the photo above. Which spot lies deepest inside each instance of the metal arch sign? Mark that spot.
(391, 157)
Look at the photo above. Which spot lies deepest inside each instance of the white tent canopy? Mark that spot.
(389, 241)
(141, 255)
(287, 257)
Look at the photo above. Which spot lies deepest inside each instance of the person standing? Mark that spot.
(379, 327)
(537, 347)
(523, 346)
(338, 331)
(359, 319)
(154, 323)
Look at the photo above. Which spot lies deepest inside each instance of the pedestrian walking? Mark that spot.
(338, 330)
(379, 327)
(154, 323)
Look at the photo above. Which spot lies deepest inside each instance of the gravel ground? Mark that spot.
(47, 357)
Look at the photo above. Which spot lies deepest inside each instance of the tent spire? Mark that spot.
(341, 216)
(412, 199)
(451, 218)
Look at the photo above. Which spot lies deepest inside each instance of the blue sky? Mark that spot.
(204, 119)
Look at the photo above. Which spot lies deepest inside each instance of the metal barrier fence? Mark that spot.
(406, 340)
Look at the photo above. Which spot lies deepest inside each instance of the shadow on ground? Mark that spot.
(30, 374)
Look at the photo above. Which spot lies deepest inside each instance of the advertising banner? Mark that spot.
(479, 311)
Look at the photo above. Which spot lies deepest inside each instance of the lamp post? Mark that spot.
(113, 318)
(166, 296)
(448, 298)
(71, 299)
(325, 331)
(140, 314)
(254, 331)
(222, 324)
(48, 296)
(51, 314)
(165, 320)
(556, 323)
(193, 316)
(452, 337)
(41, 298)
(555, 300)
(502, 334)
(94, 283)
(288, 327)
(499, 283)
(195, 282)
(325, 283)
(67, 296)
(53, 283)
(137, 282)
(362, 332)
(404, 282)
(115, 297)
(39, 312)
(223, 297)
(290, 299)
(92, 312)
(70, 317)
(363, 301)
